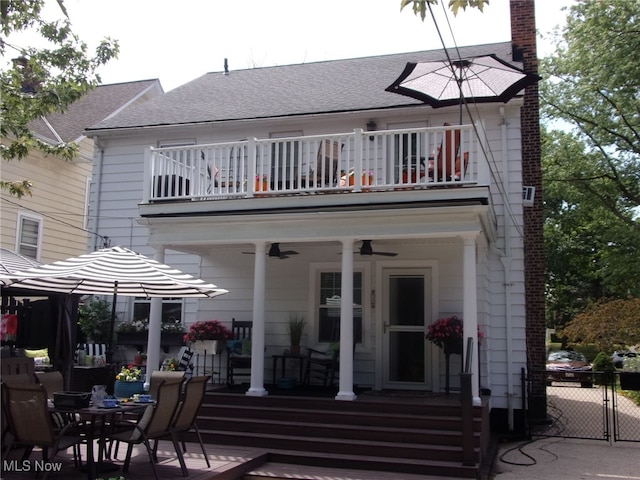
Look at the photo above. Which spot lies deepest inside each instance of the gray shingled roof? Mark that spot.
(97, 105)
(356, 84)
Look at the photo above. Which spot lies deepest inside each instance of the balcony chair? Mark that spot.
(239, 351)
(30, 424)
(186, 416)
(450, 147)
(154, 423)
(327, 163)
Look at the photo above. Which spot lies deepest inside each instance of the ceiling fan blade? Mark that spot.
(367, 250)
(385, 254)
(289, 252)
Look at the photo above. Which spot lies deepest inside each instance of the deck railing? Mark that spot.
(346, 162)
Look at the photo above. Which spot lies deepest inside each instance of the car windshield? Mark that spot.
(564, 356)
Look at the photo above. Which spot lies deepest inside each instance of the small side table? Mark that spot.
(283, 359)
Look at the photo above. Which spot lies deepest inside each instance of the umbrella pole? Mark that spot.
(112, 324)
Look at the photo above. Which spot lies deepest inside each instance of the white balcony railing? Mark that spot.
(347, 162)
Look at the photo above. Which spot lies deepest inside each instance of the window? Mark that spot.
(29, 235)
(329, 307)
(171, 311)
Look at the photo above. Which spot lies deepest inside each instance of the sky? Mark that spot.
(178, 41)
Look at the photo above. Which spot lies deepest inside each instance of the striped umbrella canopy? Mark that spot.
(111, 271)
(13, 262)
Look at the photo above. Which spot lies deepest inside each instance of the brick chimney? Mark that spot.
(523, 39)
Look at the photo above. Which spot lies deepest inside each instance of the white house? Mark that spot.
(292, 186)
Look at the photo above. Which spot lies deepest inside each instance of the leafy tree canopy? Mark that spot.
(420, 6)
(608, 324)
(39, 81)
(593, 89)
(591, 161)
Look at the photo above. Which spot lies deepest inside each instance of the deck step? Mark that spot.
(409, 437)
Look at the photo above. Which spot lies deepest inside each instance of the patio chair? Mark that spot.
(52, 382)
(239, 351)
(449, 148)
(154, 423)
(327, 163)
(158, 376)
(186, 416)
(30, 423)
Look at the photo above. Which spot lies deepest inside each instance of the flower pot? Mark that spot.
(127, 389)
(630, 380)
(208, 347)
(261, 186)
(294, 349)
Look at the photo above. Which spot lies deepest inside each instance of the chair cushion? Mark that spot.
(235, 346)
(246, 346)
(42, 352)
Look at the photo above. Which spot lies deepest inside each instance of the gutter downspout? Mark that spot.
(98, 168)
(506, 264)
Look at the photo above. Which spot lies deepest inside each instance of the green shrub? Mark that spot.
(603, 363)
(589, 350)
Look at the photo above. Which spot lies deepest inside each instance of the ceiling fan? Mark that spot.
(274, 251)
(367, 249)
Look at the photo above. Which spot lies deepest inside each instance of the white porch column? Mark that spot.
(257, 330)
(155, 329)
(345, 390)
(470, 310)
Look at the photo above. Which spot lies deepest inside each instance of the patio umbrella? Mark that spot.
(112, 271)
(444, 83)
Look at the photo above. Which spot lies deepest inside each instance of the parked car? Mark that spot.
(619, 355)
(569, 366)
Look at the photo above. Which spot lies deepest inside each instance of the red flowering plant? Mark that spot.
(207, 330)
(9, 327)
(447, 330)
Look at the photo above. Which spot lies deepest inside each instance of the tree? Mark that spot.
(420, 6)
(607, 324)
(593, 89)
(590, 252)
(40, 81)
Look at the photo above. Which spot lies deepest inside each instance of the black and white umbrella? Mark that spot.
(112, 271)
(444, 83)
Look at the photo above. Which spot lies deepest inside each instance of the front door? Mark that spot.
(406, 314)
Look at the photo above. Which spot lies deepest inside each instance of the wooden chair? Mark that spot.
(321, 367)
(327, 163)
(448, 155)
(30, 424)
(239, 351)
(154, 423)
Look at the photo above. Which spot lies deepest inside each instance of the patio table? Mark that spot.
(99, 422)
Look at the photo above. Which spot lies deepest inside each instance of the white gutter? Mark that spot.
(98, 169)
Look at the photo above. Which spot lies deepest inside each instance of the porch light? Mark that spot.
(372, 126)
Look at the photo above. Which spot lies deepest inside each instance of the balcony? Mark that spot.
(347, 163)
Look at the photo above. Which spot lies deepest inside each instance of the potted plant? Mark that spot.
(296, 329)
(208, 336)
(128, 382)
(140, 358)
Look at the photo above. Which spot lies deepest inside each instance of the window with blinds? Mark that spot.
(329, 307)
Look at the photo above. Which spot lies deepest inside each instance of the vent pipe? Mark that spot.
(226, 67)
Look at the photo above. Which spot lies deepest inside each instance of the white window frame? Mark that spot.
(364, 268)
(165, 301)
(22, 217)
